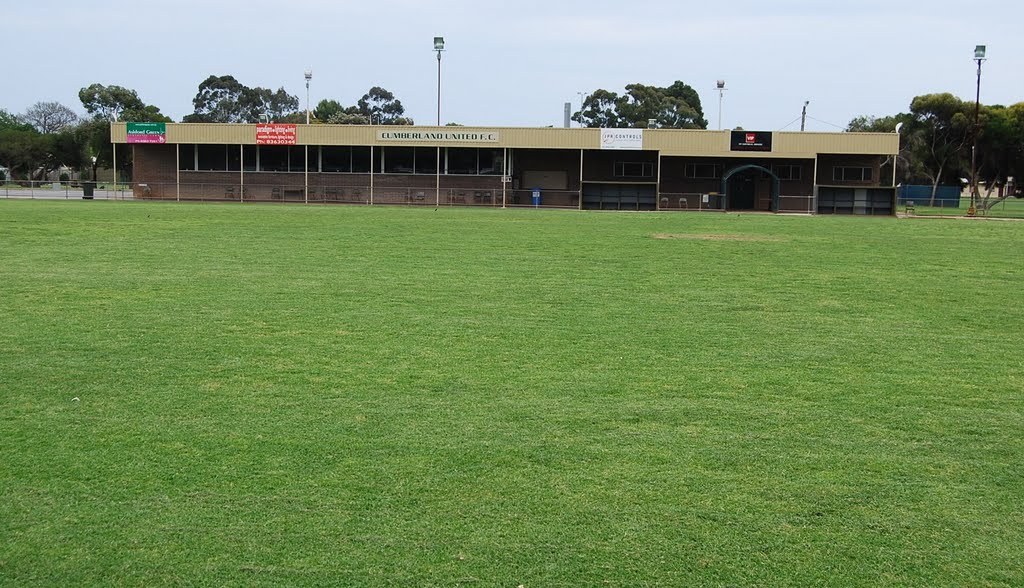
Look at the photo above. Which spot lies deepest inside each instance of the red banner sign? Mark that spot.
(276, 134)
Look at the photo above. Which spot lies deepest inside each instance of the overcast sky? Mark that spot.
(517, 63)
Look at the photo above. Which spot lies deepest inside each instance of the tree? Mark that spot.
(381, 106)
(10, 122)
(107, 104)
(1000, 151)
(677, 107)
(112, 103)
(943, 125)
(325, 109)
(224, 99)
(599, 110)
(49, 117)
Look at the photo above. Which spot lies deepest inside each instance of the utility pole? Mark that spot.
(803, 116)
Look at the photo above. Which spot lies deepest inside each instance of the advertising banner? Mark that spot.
(751, 141)
(630, 139)
(147, 132)
(275, 134)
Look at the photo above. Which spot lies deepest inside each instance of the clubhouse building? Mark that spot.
(590, 169)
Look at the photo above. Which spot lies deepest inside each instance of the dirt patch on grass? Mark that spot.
(717, 237)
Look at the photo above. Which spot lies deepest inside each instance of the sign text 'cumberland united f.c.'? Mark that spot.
(632, 139)
(146, 132)
(750, 141)
(276, 134)
(440, 136)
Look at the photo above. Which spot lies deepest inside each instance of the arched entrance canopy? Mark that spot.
(746, 167)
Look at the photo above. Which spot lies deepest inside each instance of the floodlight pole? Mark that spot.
(721, 94)
(439, 47)
(309, 76)
(979, 56)
(803, 116)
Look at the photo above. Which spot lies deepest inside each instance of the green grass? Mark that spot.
(354, 396)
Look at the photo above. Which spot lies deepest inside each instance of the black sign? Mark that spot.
(751, 141)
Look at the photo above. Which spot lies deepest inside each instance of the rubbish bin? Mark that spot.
(87, 190)
(536, 197)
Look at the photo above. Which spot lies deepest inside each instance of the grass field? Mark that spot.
(231, 395)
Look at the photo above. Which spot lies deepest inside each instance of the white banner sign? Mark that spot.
(439, 136)
(622, 139)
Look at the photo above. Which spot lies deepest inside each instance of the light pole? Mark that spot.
(93, 169)
(583, 96)
(979, 56)
(721, 94)
(309, 76)
(439, 47)
(803, 116)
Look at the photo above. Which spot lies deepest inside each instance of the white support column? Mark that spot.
(177, 172)
(114, 145)
(371, 175)
(437, 178)
(241, 173)
(306, 167)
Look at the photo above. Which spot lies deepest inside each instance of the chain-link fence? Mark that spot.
(1012, 207)
(36, 190)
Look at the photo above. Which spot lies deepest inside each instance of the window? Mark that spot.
(633, 169)
(336, 159)
(399, 160)
(297, 158)
(360, 160)
(212, 157)
(234, 157)
(187, 157)
(851, 174)
(462, 161)
(249, 158)
(426, 160)
(491, 162)
(706, 171)
(788, 172)
(273, 158)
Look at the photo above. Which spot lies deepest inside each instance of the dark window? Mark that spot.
(426, 160)
(273, 158)
(633, 169)
(462, 161)
(851, 174)
(213, 157)
(706, 171)
(361, 160)
(336, 159)
(296, 158)
(491, 162)
(788, 172)
(234, 158)
(399, 160)
(249, 159)
(187, 157)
